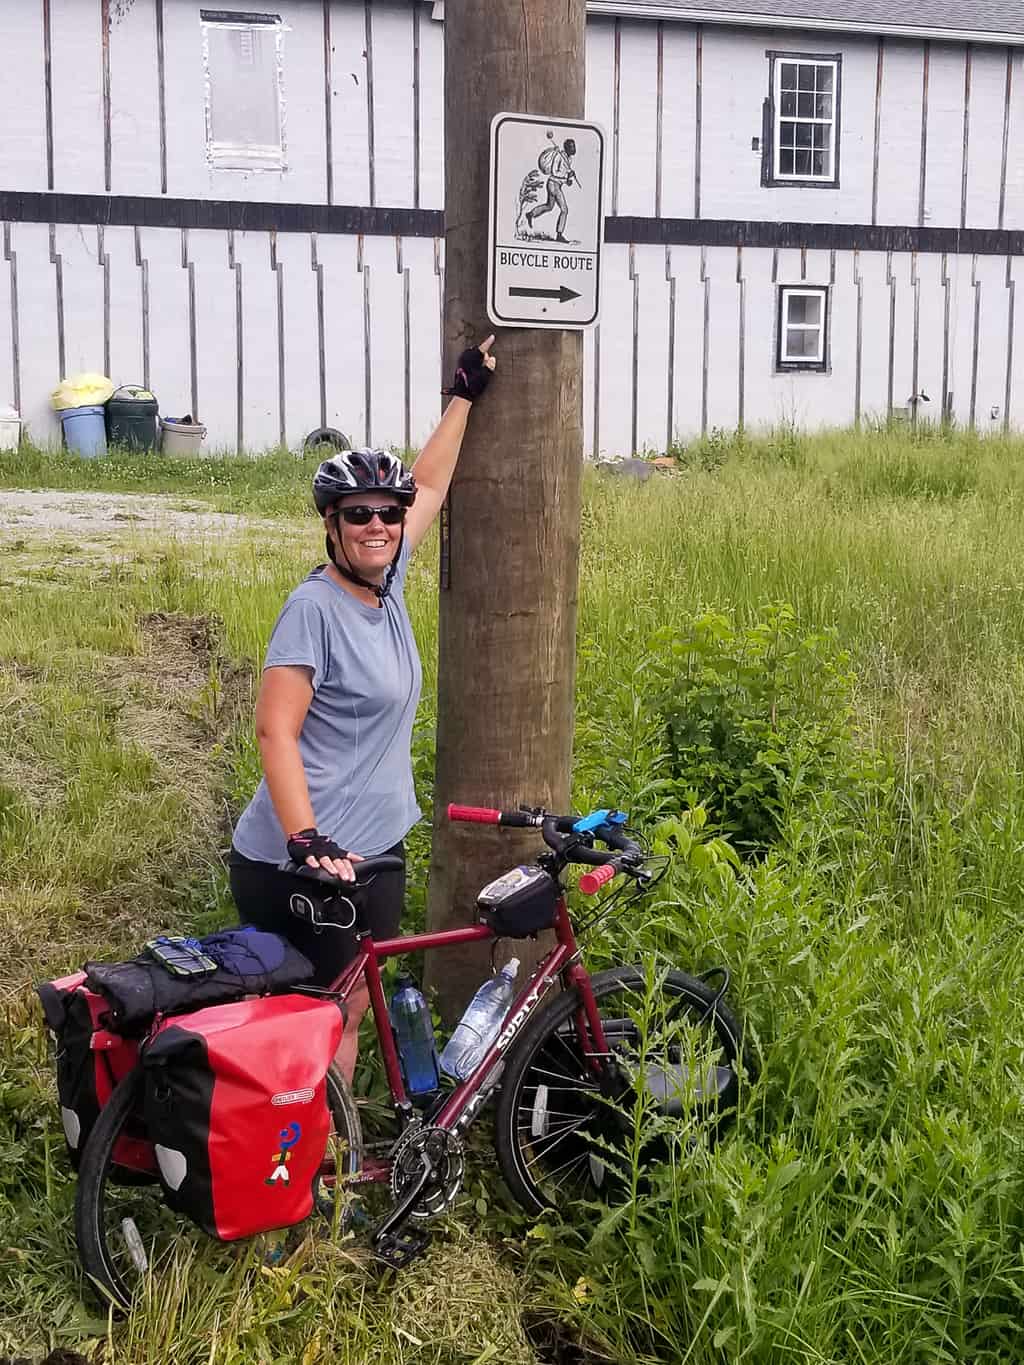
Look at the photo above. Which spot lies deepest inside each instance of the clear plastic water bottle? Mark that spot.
(414, 1035)
(478, 1027)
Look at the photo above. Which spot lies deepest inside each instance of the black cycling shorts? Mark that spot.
(262, 893)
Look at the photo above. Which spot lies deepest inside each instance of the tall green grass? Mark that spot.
(867, 1207)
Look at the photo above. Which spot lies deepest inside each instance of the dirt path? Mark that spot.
(56, 512)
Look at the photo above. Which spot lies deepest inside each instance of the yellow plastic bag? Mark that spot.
(81, 390)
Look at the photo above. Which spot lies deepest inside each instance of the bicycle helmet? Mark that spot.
(362, 471)
(365, 470)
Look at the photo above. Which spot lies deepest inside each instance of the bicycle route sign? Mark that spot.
(545, 225)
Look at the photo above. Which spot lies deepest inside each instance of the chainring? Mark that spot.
(447, 1154)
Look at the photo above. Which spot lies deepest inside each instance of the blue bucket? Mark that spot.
(85, 430)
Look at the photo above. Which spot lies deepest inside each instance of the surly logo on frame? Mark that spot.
(288, 1138)
(515, 1024)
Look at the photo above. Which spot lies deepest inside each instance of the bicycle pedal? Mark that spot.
(398, 1249)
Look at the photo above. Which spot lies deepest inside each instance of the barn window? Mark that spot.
(803, 329)
(242, 56)
(802, 113)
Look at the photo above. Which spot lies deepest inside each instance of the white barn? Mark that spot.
(815, 212)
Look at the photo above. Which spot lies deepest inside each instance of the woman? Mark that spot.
(341, 682)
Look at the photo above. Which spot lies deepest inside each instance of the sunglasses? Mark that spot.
(362, 516)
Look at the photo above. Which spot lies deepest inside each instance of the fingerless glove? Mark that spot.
(311, 843)
(471, 376)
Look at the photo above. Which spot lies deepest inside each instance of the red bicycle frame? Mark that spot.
(462, 1105)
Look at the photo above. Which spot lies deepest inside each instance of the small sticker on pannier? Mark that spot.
(294, 1096)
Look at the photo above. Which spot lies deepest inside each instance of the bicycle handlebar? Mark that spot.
(558, 833)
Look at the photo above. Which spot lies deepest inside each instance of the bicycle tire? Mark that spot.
(546, 1048)
(97, 1172)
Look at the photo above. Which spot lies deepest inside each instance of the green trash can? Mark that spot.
(131, 418)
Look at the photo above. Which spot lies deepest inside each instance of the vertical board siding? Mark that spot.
(678, 132)
(304, 112)
(984, 163)
(992, 347)
(344, 353)
(600, 88)
(652, 348)
(393, 103)
(944, 165)
(425, 370)
(77, 82)
(1014, 208)
(431, 113)
(134, 100)
(38, 350)
(260, 337)
(124, 280)
(387, 297)
(300, 338)
(723, 394)
(170, 343)
(900, 132)
(349, 111)
(638, 118)
(23, 98)
(616, 359)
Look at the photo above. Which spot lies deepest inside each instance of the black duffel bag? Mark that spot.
(249, 962)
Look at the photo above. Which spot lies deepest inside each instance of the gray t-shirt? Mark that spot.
(356, 738)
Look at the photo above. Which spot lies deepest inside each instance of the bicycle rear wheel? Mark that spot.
(125, 1232)
(568, 1121)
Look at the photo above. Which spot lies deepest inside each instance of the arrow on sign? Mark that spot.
(563, 293)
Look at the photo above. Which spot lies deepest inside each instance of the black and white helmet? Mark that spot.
(362, 471)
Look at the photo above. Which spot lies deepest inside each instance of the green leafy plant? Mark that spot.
(752, 717)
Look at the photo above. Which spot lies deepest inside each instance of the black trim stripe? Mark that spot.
(236, 216)
(733, 232)
(229, 215)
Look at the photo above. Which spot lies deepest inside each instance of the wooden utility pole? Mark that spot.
(510, 563)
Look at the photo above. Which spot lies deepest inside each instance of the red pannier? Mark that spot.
(90, 1062)
(236, 1106)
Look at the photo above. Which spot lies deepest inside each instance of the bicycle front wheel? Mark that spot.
(569, 1122)
(125, 1232)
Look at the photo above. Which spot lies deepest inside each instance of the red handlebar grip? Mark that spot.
(593, 881)
(477, 815)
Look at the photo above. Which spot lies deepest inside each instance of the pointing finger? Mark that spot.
(485, 346)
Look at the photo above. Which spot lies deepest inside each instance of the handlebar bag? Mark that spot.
(235, 1101)
(520, 902)
(90, 1061)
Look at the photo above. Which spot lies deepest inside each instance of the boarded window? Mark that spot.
(803, 329)
(242, 53)
(803, 113)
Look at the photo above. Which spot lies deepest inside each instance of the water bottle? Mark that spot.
(478, 1027)
(414, 1034)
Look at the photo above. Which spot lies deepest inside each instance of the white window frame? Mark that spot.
(784, 361)
(778, 176)
(245, 156)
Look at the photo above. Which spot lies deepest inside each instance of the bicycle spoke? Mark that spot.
(552, 1142)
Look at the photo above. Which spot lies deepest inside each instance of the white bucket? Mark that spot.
(10, 428)
(181, 438)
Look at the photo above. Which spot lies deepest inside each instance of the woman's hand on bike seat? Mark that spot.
(319, 851)
(363, 869)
